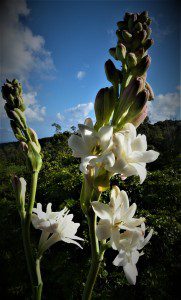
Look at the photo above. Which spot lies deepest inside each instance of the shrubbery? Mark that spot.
(65, 268)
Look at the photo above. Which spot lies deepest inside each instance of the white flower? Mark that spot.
(115, 216)
(128, 245)
(94, 148)
(55, 226)
(131, 153)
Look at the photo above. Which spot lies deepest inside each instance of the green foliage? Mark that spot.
(65, 266)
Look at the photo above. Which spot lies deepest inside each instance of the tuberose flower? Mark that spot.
(131, 153)
(128, 245)
(55, 226)
(93, 147)
(115, 216)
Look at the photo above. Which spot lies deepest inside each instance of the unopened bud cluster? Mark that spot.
(15, 109)
(129, 92)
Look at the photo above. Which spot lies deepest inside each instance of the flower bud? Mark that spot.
(127, 36)
(21, 116)
(121, 24)
(148, 43)
(127, 99)
(138, 27)
(112, 73)
(19, 186)
(142, 66)
(104, 106)
(121, 52)
(138, 120)
(24, 147)
(34, 138)
(112, 51)
(131, 60)
(17, 132)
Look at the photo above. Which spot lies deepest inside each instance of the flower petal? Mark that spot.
(140, 170)
(102, 210)
(131, 272)
(103, 230)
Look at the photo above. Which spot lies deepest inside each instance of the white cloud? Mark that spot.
(21, 50)
(75, 115)
(22, 53)
(164, 107)
(33, 112)
(81, 74)
(60, 116)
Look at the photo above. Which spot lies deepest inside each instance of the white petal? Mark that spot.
(44, 237)
(146, 240)
(78, 146)
(130, 273)
(103, 230)
(149, 156)
(129, 213)
(49, 208)
(140, 169)
(120, 259)
(105, 134)
(129, 131)
(135, 257)
(139, 143)
(70, 241)
(102, 210)
(85, 162)
(115, 239)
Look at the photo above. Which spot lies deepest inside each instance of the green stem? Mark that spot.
(40, 282)
(32, 268)
(97, 257)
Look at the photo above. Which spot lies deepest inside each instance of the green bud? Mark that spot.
(104, 106)
(112, 73)
(121, 52)
(127, 16)
(14, 115)
(148, 44)
(34, 138)
(112, 51)
(127, 36)
(148, 21)
(119, 34)
(19, 186)
(121, 24)
(131, 60)
(143, 16)
(127, 98)
(142, 66)
(102, 181)
(21, 116)
(17, 132)
(34, 159)
(138, 27)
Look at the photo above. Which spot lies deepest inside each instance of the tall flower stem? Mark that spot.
(97, 256)
(33, 267)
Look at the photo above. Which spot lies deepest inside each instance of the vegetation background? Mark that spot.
(65, 266)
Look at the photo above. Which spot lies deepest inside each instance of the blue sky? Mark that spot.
(58, 50)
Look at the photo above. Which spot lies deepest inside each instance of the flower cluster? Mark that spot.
(123, 152)
(55, 226)
(117, 216)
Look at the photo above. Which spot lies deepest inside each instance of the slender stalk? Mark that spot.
(32, 267)
(96, 257)
(40, 282)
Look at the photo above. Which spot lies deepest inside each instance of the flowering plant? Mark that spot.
(107, 147)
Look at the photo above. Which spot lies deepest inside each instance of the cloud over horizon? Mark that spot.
(76, 114)
(165, 107)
